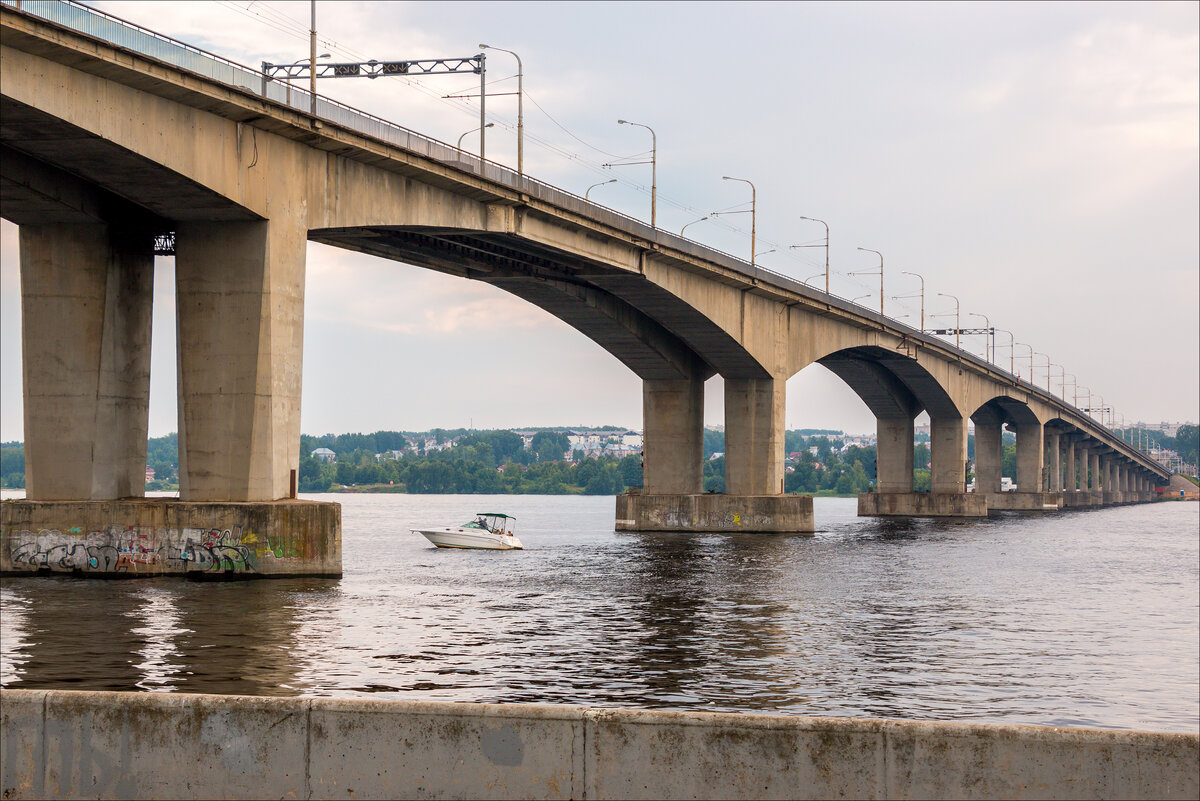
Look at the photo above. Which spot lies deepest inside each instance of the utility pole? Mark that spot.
(312, 58)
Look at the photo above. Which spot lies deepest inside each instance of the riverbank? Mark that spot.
(72, 744)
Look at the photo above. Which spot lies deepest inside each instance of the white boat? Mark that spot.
(489, 530)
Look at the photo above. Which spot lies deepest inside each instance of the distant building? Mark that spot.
(149, 473)
(324, 454)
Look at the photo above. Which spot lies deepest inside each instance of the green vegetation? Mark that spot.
(12, 465)
(498, 462)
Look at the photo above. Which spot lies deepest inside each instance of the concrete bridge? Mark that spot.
(112, 135)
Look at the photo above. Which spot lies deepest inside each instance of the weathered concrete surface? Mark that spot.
(922, 504)
(65, 744)
(167, 537)
(1023, 501)
(713, 512)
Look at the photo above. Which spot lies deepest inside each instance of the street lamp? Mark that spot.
(1062, 384)
(860, 297)
(653, 167)
(921, 295)
(1047, 371)
(811, 277)
(764, 252)
(957, 326)
(987, 336)
(1011, 348)
(473, 130)
(880, 255)
(520, 107)
(753, 211)
(693, 222)
(822, 222)
(1023, 345)
(593, 186)
(1089, 400)
(1074, 387)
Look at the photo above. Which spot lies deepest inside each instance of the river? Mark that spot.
(1082, 618)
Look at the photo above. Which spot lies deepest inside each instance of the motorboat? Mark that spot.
(489, 530)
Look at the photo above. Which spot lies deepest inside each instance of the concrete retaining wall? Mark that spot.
(67, 744)
(168, 537)
(1024, 501)
(716, 512)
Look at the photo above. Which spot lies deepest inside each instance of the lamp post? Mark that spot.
(693, 222)
(860, 297)
(473, 130)
(593, 186)
(1011, 347)
(1089, 400)
(880, 255)
(921, 295)
(1062, 384)
(1022, 344)
(753, 211)
(957, 318)
(1047, 371)
(822, 222)
(1074, 388)
(987, 335)
(653, 167)
(764, 252)
(520, 107)
(811, 277)
(312, 59)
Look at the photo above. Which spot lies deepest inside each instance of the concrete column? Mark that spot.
(1054, 444)
(240, 296)
(1085, 461)
(1072, 478)
(1094, 471)
(989, 448)
(948, 454)
(673, 437)
(754, 425)
(86, 294)
(1030, 452)
(894, 454)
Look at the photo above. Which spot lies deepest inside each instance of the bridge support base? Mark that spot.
(773, 514)
(922, 504)
(1024, 501)
(168, 537)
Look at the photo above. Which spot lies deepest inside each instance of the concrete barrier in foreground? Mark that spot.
(70, 744)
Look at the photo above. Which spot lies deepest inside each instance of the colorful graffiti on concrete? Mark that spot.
(133, 550)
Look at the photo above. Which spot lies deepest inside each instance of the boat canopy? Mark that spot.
(496, 514)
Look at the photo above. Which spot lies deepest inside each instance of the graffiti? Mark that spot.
(142, 550)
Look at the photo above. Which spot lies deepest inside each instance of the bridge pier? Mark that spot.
(86, 309)
(86, 292)
(894, 469)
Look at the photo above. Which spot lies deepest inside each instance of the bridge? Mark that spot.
(114, 136)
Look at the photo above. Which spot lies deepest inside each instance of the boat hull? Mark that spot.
(477, 540)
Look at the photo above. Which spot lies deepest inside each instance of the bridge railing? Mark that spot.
(131, 36)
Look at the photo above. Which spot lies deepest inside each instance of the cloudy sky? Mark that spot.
(1040, 161)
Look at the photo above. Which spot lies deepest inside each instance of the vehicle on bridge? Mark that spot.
(489, 531)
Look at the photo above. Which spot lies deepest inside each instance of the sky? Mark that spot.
(1039, 161)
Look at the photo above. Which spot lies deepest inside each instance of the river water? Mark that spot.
(1084, 618)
